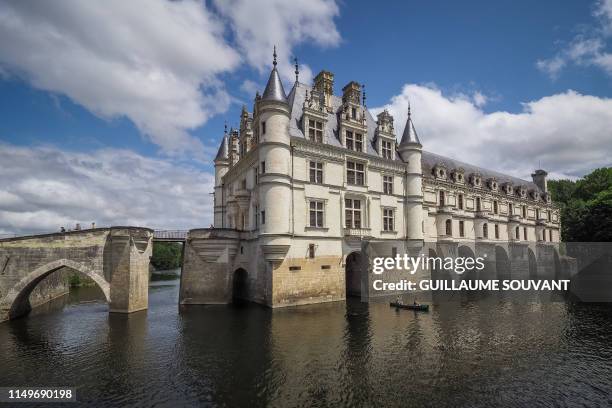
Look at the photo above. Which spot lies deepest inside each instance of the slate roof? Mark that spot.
(428, 160)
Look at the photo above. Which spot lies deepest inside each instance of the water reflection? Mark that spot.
(470, 351)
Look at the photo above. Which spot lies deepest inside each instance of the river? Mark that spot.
(471, 352)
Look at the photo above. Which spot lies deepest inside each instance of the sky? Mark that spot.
(111, 112)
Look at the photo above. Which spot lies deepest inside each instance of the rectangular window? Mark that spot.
(388, 219)
(354, 141)
(550, 235)
(525, 233)
(263, 127)
(315, 130)
(359, 142)
(387, 149)
(316, 214)
(460, 201)
(353, 113)
(495, 208)
(510, 212)
(524, 211)
(461, 229)
(496, 231)
(355, 173)
(311, 250)
(263, 167)
(548, 216)
(263, 217)
(256, 217)
(388, 184)
(352, 213)
(316, 172)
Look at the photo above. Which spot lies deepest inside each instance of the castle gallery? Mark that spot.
(310, 175)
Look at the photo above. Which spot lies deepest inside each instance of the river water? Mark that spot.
(470, 352)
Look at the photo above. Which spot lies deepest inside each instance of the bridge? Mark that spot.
(170, 235)
(115, 258)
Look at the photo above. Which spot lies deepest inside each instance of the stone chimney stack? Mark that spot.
(539, 179)
(324, 83)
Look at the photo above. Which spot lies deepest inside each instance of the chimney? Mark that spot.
(352, 93)
(539, 179)
(324, 83)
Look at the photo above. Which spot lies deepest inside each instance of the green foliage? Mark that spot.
(586, 206)
(76, 280)
(167, 255)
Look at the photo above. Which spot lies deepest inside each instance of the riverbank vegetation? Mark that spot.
(586, 206)
(167, 255)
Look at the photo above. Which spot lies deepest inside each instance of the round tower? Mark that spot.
(272, 121)
(410, 150)
(221, 167)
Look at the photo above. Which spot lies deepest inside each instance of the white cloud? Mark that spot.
(586, 48)
(147, 60)
(568, 134)
(250, 87)
(156, 62)
(45, 188)
(259, 25)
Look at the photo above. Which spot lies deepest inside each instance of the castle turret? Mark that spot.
(539, 179)
(222, 165)
(272, 124)
(410, 150)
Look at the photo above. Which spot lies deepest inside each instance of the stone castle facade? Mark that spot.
(309, 176)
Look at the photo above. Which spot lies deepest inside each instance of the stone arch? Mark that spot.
(354, 273)
(16, 300)
(240, 285)
(533, 264)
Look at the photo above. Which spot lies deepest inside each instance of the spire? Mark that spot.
(223, 152)
(410, 135)
(274, 89)
(363, 95)
(297, 70)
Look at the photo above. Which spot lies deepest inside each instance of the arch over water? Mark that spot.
(464, 251)
(240, 285)
(16, 300)
(533, 264)
(353, 273)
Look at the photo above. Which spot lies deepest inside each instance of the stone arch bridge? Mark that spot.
(116, 259)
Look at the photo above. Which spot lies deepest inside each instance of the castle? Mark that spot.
(310, 175)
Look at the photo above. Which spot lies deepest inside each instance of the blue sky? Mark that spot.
(504, 76)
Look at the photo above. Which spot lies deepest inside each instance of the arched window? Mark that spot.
(485, 230)
(442, 198)
(449, 228)
(460, 201)
(478, 204)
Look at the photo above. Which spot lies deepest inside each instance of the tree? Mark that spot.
(586, 206)
(167, 255)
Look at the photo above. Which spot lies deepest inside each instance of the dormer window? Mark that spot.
(439, 171)
(386, 149)
(508, 188)
(354, 141)
(315, 130)
(522, 192)
(493, 184)
(476, 180)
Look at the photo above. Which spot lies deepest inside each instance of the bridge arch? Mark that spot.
(16, 300)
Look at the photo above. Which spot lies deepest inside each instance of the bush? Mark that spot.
(167, 255)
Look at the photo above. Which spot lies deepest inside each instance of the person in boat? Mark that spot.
(415, 303)
(398, 300)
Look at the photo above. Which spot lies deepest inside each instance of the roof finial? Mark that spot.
(408, 109)
(274, 54)
(363, 95)
(297, 70)
(225, 131)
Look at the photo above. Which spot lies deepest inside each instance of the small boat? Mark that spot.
(421, 307)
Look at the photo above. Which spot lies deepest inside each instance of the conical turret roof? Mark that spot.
(410, 135)
(223, 152)
(274, 89)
